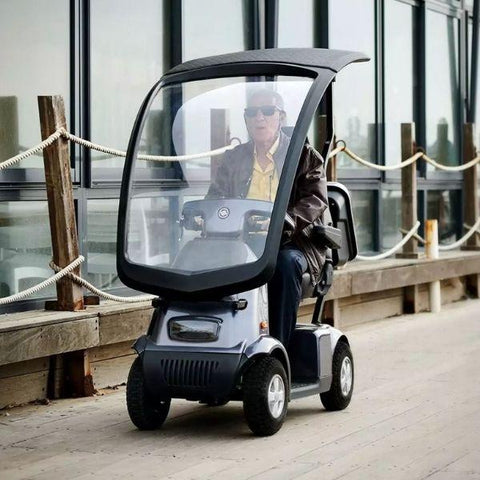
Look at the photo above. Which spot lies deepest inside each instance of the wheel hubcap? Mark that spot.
(346, 376)
(276, 396)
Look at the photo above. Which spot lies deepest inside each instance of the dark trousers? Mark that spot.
(285, 292)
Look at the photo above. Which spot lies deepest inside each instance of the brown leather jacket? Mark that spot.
(308, 200)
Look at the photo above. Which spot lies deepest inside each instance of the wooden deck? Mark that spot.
(415, 414)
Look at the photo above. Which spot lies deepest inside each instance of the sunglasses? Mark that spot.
(267, 111)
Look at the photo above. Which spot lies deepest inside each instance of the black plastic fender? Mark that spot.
(267, 345)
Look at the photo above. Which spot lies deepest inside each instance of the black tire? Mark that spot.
(257, 380)
(144, 411)
(335, 398)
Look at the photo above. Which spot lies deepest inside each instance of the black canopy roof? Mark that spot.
(333, 60)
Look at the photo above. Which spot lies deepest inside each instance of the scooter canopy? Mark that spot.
(199, 216)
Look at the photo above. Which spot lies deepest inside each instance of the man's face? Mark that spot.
(263, 127)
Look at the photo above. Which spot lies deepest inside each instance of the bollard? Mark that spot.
(431, 250)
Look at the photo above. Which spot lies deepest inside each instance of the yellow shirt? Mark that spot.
(264, 184)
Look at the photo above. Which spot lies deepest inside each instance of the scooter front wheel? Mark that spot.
(265, 396)
(145, 412)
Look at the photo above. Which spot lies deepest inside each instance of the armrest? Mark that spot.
(329, 236)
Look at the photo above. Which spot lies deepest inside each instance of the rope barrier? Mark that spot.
(30, 291)
(67, 271)
(100, 293)
(398, 246)
(157, 158)
(459, 242)
(385, 168)
(32, 151)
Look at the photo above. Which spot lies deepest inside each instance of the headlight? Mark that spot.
(194, 329)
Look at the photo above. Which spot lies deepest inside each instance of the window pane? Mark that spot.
(34, 60)
(391, 218)
(443, 100)
(352, 27)
(295, 23)
(101, 243)
(444, 205)
(126, 59)
(212, 28)
(398, 75)
(363, 214)
(25, 247)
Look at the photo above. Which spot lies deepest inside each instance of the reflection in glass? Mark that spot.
(363, 214)
(354, 97)
(203, 38)
(398, 75)
(213, 203)
(295, 23)
(126, 60)
(444, 205)
(391, 218)
(32, 35)
(102, 243)
(25, 247)
(442, 92)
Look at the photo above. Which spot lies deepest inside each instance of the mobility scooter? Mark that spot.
(209, 257)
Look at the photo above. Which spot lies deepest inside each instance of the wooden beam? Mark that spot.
(219, 135)
(470, 186)
(409, 191)
(61, 207)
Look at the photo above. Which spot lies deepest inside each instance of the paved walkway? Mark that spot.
(415, 414)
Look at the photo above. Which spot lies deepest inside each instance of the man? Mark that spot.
(252, 170)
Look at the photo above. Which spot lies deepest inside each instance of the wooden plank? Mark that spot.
(409, 190)
(112, 372)
(105, 352)
(39, 318)
(355, 314)
(23, 368)
(423, 272)
(61, 207)
(20, 345)
(120, 327)
(23, 388)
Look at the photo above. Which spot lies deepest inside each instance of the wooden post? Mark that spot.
(409, 191)
(331, 313)
(8, 127)
(219, 135)
(431, 248)
(60, 200)
(470, 202)
(470, 187)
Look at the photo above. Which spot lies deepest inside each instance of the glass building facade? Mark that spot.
(103, 56)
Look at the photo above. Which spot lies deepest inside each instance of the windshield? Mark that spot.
(208, 170)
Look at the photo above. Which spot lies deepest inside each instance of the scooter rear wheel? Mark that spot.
(145, 412)
(340, 393)
(265, 396)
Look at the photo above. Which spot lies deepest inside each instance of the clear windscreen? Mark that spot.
(207, 171)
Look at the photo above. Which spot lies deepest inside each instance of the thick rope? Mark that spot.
(96, 291)
(32, 151)
(366, 163)
(398, 246)
(459, 242)
(385, 168)
(30, 291)
(157, 158)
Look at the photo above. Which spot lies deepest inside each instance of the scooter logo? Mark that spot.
(223, 213)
